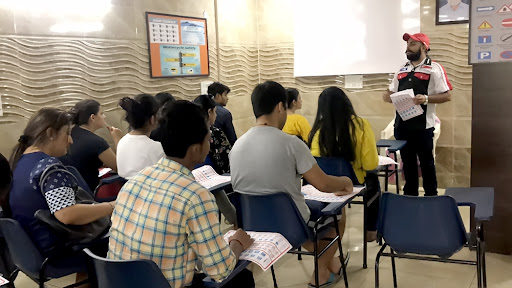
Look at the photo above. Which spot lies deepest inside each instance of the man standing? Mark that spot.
(219, 93)
(430, 84)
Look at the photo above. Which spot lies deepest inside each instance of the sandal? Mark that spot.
(333, 278)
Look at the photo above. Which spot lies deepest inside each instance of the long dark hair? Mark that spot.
(83, 111)
(292, 94)
(5, 185)
(139, 110)
(205, 102)
(36, 131)
(334, 119)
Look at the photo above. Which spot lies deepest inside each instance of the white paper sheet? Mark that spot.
(266, 249)
(103, 171)
(311, 193)
(383, 160)
(207, 177)
(404, 104)
(3, 281)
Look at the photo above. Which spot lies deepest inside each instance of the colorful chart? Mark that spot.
(178, 45)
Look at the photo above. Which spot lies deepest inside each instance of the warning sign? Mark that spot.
(485, 25)
(505, 9)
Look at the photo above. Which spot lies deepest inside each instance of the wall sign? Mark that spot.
(178, 45)
(490, 31)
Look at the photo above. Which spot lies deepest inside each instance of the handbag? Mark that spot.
(76, 234)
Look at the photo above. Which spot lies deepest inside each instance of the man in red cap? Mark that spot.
(431, 86)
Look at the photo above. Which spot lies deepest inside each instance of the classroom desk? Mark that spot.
(481, 201)
(393, 146)
(240, 265)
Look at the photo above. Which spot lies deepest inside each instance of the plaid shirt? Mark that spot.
(164, 215)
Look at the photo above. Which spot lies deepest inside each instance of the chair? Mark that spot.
(29, 260)
(127, 273)
(282, 216)
(108, 188)
(429, 227)
(336, 166)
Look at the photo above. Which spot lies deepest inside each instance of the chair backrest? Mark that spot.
(127, 273)
(337, 166)
(24, 253)
(421, 225)
(80, 179)
(271, 213)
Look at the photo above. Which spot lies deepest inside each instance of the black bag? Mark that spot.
(76, 234)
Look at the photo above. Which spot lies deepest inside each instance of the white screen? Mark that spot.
(343, 37)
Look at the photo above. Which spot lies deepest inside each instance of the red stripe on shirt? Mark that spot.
(445, 77)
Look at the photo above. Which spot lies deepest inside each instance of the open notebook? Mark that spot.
(383, 161)
(266, 249)
(311, 193)
(207, 177)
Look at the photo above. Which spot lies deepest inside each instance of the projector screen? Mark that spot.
(343, 37)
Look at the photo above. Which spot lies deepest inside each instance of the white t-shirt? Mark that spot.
(136, 152)
(446, 13)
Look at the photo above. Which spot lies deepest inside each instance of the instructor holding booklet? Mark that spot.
(431, 86)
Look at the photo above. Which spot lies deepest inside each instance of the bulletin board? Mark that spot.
(490, 31)
(178, 46)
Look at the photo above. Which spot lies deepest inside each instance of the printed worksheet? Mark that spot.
(384, 161)
(266, 249)
(3, 281)
(207, 177)
(404, 104)
(311, 193)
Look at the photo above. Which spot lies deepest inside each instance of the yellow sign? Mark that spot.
(188, 55)
(174, 71)
(189, 65)
(485, 25)
(172, 60)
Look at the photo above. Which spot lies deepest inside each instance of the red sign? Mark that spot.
(507, 22)
(506, 54)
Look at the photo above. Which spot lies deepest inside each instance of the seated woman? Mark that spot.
(296, 124)
(89, 152)
(46, 137)
(136, 151)
(339, 132)
(219, 154)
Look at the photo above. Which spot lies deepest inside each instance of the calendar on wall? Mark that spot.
(178, 45)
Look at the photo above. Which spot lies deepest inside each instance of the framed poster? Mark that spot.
(178, 46)
(490, 31)
(452, 11)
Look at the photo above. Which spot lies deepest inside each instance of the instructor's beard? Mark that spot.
(414, 56)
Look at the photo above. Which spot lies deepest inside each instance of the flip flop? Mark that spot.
(333, 278)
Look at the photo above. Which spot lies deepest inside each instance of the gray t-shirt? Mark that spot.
(266, 160)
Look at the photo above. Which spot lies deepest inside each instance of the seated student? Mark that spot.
(46, 137)
(339, 132)
(296, 124)
(136, 151)
(266, 160)
(164, 215)
(219, 93)
(219, 154)
(162, 98)
(89, 152)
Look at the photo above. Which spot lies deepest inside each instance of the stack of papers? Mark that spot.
(207, 177)
(311, 193)
(404, 104)
(266, 249)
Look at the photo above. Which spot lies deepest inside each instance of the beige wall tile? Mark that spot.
(446, 136)
(444, 160)
(462, 132)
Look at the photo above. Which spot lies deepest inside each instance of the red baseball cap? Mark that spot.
(420, 37)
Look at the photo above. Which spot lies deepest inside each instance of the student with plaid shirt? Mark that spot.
(164, 215)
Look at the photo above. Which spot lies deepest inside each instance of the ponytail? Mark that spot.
(139, 110)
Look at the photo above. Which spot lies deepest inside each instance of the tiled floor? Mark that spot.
(418, 274)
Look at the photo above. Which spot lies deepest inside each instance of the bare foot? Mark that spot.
(371, 236)
(323, 276)
(335, 265)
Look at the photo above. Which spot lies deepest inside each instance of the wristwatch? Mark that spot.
(426, 100)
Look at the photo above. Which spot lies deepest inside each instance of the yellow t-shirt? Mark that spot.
(297, 125)
(365, 148)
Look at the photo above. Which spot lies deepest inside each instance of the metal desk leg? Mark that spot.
(365, 230)
(397, 175)
(386, 179)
